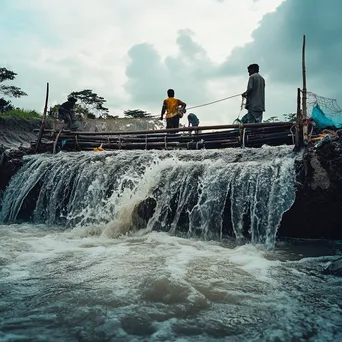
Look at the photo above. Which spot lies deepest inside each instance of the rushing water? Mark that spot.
(86, 269)
(76, 286)
(207, 193)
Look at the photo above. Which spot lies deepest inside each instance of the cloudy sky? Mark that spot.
(131, 51)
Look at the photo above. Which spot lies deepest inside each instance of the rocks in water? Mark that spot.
(137, 325)
(10, 162)
(316, 212)
(143, 212)
(335, 268)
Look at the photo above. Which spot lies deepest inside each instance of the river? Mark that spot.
(74, 266)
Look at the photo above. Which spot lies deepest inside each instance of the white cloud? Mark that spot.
(130, 51)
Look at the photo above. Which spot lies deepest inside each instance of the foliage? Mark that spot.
(53, 111)
(290, 117)
(6, 74)
(272, 119)
(111, 117)
(136, 113)
(90, 116)
(22, 113)
(81, 112)
(90, 103)
(10, 91)
(5, 105)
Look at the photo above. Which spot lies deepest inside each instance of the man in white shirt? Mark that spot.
(255, 96)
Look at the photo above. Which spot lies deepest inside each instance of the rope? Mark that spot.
(209, 103)
(310, 134)
(76, 140)
(55, 143)
(237, 120)
(293, 136)
(243, 138)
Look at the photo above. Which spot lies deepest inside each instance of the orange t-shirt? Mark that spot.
(171, 104)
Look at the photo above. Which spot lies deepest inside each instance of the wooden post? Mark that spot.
(299, 124)
(304, 97)
(42, 127)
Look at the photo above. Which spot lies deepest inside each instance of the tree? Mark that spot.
(53, 111)
(80, 112)
(10, 91)
(137, 113)
(91, 103)
(5, 106)
(290, 117)
(272, 119)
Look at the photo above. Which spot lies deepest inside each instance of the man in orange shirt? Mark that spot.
(174, 109)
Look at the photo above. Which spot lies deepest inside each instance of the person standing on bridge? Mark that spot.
(174, 109)
(66, 112)
(193, 121)
(255, 96)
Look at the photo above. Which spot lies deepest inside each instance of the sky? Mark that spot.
(132, 51)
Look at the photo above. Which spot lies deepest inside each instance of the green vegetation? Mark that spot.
(290, 117)
(272, 119)
(21, 113)
(136, 113)
(90, 104)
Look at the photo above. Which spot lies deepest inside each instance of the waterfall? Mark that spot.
(212, 193)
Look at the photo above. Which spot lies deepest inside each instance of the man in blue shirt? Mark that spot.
(193, 121)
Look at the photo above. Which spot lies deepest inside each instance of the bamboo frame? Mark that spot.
(271, 133)
(304, 97)
(183, 129)
(42, 127)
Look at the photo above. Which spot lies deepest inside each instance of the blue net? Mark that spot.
(324, 111)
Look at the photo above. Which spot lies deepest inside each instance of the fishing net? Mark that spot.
(328, 106)
(324, 111)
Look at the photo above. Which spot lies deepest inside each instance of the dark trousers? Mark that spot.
(173, 122)
(252, 117)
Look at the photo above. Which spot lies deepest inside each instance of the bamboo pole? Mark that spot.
(304, 97)
(56, 141)
(183, 129)
(299, 123)
(220, 141)
(42, 127)
(208, 138)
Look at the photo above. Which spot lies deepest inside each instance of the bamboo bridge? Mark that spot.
(209, 137)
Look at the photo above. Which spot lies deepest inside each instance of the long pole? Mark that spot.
(42, 126)
(304, 97)
(299, 123)
(183, 129)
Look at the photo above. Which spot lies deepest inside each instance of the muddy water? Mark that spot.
(79, 285)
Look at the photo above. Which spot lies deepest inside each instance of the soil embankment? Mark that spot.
(15, 132)
(317, 210)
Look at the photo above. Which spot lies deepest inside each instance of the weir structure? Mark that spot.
(191, 138)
